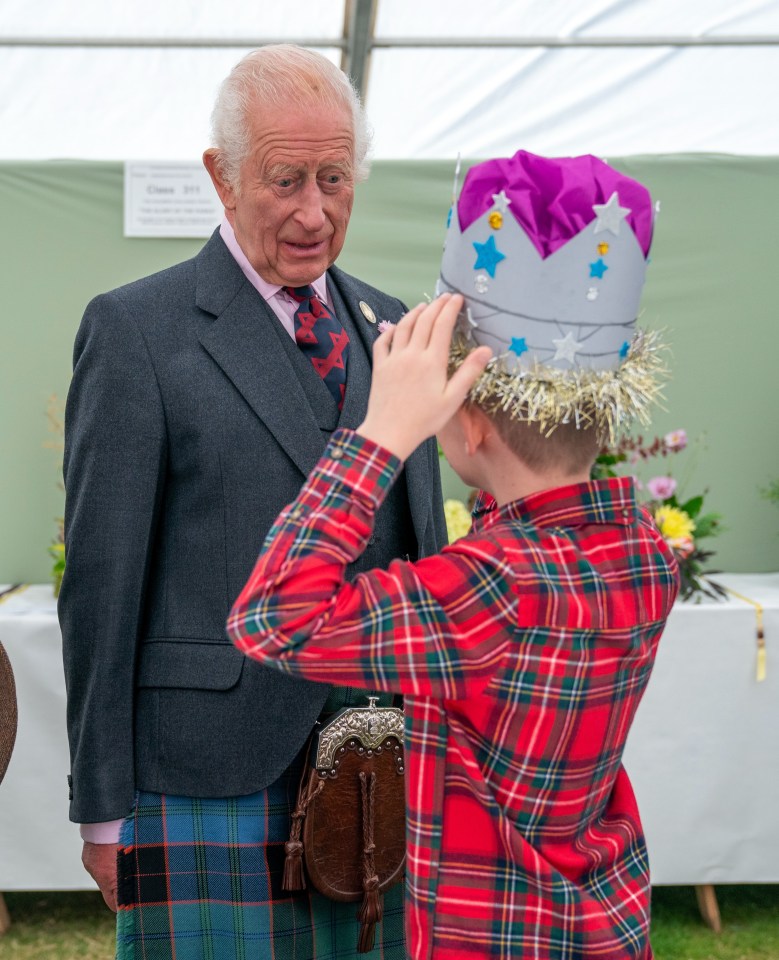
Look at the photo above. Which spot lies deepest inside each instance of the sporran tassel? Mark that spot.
(293, 877)
(370, 912)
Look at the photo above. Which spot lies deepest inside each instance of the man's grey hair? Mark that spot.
(276, 76)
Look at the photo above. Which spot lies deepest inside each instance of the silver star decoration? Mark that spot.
(567, 348)
(610, 215)
(501, 201)
(481, 282)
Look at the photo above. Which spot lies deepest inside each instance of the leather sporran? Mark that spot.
(349, 824)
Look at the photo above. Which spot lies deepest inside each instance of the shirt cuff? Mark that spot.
(362, 466)
(107, 832)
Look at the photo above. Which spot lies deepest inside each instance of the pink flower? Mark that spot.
(675, 440)
(661, 487)
(683, 546)
(384, 325)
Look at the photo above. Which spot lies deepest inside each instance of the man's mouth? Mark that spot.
(306, 249)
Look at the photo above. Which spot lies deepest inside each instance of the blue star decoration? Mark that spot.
(598, 268)
(518, 346)
(623, 350)
(487, 256)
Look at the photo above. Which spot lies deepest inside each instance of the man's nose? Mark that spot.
(310, 211)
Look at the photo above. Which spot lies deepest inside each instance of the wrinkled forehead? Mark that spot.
(300, 133)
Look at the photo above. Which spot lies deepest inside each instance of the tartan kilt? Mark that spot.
(200, 879)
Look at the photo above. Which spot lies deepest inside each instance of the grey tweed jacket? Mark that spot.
(192, 419)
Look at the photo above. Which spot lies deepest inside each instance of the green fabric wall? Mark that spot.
(709, 286)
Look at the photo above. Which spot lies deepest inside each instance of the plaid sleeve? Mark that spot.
(432, 628)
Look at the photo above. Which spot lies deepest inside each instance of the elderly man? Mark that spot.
(201, 398)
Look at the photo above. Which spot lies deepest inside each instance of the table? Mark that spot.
(701, 753)
(39, 848)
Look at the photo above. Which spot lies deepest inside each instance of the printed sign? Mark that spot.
(164, 199)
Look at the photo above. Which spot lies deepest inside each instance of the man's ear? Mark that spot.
(226, 192)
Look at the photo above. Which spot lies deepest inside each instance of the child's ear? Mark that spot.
(476, 427)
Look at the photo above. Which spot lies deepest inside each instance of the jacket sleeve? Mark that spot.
(114, 467)
(439, 627)
(439, 518)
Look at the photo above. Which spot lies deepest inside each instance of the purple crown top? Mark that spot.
(552, 199)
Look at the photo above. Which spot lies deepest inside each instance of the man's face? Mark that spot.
(297, 189)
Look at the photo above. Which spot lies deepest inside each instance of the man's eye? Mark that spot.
(285, 182)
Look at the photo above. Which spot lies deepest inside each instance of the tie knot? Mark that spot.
(300, 293)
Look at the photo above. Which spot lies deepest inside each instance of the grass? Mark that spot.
(750, 924)
(58, 926)
(77, 926)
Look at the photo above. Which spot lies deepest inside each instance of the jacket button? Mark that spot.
(337, 454)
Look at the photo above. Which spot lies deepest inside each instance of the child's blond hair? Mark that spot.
(566, 449)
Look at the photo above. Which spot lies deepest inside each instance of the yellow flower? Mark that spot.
(674, 524)
(458, 519)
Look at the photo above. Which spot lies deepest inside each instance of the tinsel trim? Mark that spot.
(605, 399)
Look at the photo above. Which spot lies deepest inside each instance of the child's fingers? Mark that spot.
(445, 321)
(405, 326)
(468, 373)
(383, 344)
(429, 319)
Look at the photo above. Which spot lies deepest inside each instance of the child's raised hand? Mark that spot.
(411, 397)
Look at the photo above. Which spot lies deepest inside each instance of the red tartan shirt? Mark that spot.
(522, 650)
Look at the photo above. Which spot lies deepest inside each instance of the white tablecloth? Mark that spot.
(702, 753)
(39, 848)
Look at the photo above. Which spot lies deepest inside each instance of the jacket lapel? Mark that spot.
(245, 341)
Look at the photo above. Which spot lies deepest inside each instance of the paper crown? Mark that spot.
(550, 255)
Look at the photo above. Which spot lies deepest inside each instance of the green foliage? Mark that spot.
(771, 492)
(57, 553)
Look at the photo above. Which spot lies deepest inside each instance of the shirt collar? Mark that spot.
(266, 290)
(599, 501)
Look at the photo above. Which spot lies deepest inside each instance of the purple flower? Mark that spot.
(675, 440)
(661, 487)
(384, 325)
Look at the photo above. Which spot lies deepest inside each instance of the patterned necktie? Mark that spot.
(322, 338)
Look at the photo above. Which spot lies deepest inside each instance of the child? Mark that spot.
(524, 648)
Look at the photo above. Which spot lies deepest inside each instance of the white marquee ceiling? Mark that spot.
(100, 80)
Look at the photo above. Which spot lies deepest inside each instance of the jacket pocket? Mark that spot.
(189, 664)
